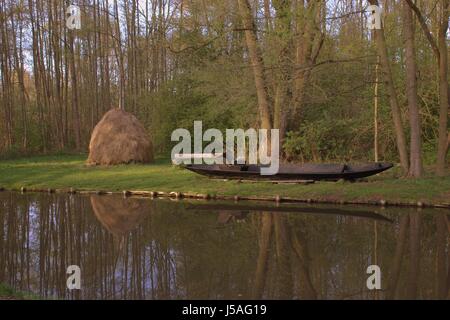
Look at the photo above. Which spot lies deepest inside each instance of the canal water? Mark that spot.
(164, 249)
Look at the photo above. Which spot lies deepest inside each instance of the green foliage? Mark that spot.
(215, 94)
(322, 140)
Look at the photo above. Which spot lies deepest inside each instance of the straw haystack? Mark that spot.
(119, 138)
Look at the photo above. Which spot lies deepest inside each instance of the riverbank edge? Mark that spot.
(206, 196)
(63, 173)
(8, 293)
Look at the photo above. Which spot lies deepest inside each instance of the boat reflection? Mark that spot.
(233, 207)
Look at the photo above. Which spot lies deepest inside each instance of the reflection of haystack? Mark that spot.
(118, 215)
(118, 138)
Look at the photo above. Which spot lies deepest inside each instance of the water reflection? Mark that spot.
(226, 217)
(119, 216)
(143, 249)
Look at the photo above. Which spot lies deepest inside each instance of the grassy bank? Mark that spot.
(70, 171)
(7, 293)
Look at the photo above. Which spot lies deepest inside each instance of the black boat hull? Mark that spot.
(316, 172)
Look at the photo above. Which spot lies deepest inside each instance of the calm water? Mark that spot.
(162, 249)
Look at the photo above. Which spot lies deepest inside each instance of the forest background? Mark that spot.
(336, 90)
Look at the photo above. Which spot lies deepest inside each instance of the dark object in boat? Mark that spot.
(330, 172)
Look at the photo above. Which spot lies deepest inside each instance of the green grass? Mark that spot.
(6, 292)
(70, 171)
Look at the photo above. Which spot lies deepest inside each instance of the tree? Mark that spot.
(441, 54)
(257, 63)
(415, 168)
(443, 89)
(393, 98)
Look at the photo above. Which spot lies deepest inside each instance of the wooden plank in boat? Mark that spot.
(269, 181)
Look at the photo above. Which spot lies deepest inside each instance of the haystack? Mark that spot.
(119, 138)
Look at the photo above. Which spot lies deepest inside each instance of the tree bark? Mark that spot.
(283, 92)
(257, 63)
(76, 107)
(415, 167)
(443, 91)
(308, 46)
(440, 52)
(393, 99)
(375, 111)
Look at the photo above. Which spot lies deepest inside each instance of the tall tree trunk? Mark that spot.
(34, 19)
(441, 54)
(443, 90)
(120, 58)
(393, 99)
(283, 76)
(257, 63)
(267, 15)
(6, 77)
(309, 42)
(75, 101)
(375, 111)
(415, 167)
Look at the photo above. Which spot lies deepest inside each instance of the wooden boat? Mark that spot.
(290, 172)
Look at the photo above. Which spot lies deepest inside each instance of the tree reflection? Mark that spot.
(146, 249)
(265, 235)
(414, 255)
(398, 257)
